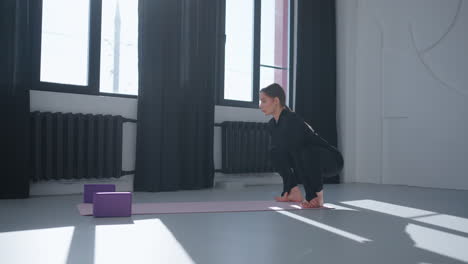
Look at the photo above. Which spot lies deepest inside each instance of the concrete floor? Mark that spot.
(371, 224)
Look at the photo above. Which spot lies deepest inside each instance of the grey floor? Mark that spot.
(371, 224)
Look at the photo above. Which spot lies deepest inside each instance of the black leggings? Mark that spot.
(309, 164)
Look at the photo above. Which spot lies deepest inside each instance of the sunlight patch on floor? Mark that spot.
(442, 220)
(48, 246)
(446, 221)
(439, 242)
(388, 208)
(328, 228)
(145, 241)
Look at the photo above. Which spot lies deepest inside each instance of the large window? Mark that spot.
(65, 39)
(257, 49)
(119, 49)
(239, 49)
(87, 46)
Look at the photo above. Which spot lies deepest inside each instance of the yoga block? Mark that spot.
(112, 204)
(90, 189)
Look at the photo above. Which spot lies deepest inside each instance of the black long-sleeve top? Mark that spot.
(290, 133)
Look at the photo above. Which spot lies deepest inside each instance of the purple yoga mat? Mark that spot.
(204, 207)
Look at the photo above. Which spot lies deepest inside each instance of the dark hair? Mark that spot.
(275, 90)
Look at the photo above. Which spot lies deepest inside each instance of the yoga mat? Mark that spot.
(204, 207)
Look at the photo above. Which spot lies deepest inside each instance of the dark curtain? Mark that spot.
(177, 60)
(316, 68)
(14, 98)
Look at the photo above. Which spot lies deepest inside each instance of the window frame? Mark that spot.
(255, 58)
(94, 54)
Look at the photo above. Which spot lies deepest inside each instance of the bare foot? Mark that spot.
(311, 204)
(283, 198)
(317, 202)
(295, 195)
(320, 197)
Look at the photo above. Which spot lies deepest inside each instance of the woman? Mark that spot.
(297, 151)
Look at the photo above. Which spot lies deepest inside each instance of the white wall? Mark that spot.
(403, 91)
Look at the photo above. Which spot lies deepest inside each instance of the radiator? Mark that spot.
(245, 147)
(75, 146)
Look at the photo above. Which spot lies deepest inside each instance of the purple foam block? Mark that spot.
(91, 189)
(112, 204)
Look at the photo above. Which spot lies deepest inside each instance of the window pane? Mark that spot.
(267, 39)
(274, 43)
(274, 33)
(270, 75)
(119, 47)
(65, 39)
(239, 50)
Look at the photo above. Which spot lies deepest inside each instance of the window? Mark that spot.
(119, 47)
(257, 49)
(87, 46)
(65, 43)
(274, 43)
(238, 56)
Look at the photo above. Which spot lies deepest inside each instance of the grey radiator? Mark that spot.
(245, 147)
(75, 146)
